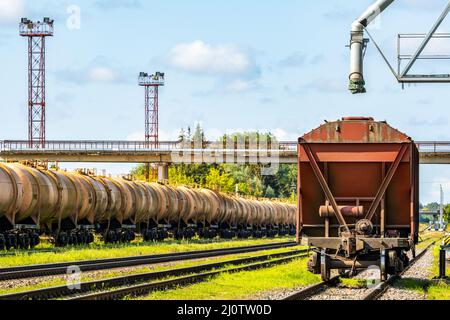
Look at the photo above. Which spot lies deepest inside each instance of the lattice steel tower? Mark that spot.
(152, 84)
(36, 32)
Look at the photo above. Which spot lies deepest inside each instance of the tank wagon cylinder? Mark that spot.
(114, 205)
(216, 207)
(19, 195)
(143, 202)
(68, 198)
(175, 204)
(127, 209)
(191, 205)
(70, 205)
(86, 198)
(99, 200)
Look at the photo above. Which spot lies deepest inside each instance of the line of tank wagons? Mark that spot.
(71, 206)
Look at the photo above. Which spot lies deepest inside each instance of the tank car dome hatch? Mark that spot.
(355, 130)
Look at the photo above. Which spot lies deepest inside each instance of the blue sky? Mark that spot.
(230, 65)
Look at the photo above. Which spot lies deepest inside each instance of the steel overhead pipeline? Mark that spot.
(358, 44)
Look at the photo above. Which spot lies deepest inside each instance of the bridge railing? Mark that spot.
(124, 146)
(12, 145)
(130, 146)
(434, 147)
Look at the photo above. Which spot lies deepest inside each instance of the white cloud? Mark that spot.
(283, 135)
(203, 58)
(212, 134)
(11, 10)
(102, 74)
(238, 86)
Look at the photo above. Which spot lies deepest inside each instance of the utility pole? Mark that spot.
(441, 211)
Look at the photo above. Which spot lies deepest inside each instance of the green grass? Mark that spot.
(416, 285)
(243, 285)
(439, 291)
(139, 270)
(101, 251)
(352, 283)
(431, 289)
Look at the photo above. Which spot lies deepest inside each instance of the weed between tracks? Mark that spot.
(102, 251)
(431, 289)
(26, 285)
(243, 285)
(352, 283)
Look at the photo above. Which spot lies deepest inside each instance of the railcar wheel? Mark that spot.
(11, 242)
(34, 240)
(61, 240)
(24, 241)
(2, 242)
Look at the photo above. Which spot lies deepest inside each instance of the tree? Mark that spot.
(178, 176)
(182, 135)
(139, 172)
(447, 213)
(269, 193)
(225, 177)
(220, 181)
(434, 206)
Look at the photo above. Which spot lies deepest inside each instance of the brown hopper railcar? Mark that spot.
(358, 196)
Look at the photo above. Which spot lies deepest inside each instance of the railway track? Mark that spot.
(365, 294)
(378, 291)
(28, 252)
(139, 284)
(23, 272)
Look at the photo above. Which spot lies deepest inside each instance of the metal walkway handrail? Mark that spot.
(123, 146)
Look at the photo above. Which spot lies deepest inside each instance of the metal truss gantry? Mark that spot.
(36, 32)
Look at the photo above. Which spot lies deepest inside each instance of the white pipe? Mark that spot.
(370, 14)
(357, 84)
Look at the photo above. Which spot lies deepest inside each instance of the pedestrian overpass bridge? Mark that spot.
(175, 152)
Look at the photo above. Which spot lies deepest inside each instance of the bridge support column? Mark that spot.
(163, 172)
